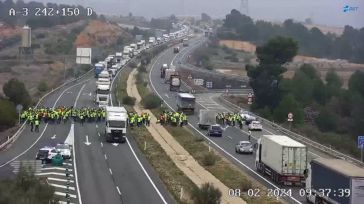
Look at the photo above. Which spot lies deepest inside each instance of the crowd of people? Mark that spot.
(173, 118)
(138, 120)
(34, 116)
(230, 119)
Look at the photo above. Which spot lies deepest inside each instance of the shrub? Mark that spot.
(42, 86)
(151, 101)
(209, 159)
(16, 92)
(8, 114)
(132, 64)
(207, 194)
(142, 68)
(127, 100)
(245, 185)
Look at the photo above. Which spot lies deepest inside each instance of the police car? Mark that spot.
(64, 149)
(255, 125)
(46, 154)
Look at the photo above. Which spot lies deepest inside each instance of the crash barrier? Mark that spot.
(12, 138)
(293, 135)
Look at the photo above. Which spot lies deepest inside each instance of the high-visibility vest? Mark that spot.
(36, 122)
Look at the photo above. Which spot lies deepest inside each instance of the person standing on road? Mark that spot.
(250, 134)
(36, 122)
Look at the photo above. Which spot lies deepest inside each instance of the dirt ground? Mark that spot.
(175, 151)
(7, 31)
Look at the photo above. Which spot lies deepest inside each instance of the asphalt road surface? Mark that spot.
(100, 172)
(231, 136)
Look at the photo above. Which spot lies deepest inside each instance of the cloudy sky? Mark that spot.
(324, 12)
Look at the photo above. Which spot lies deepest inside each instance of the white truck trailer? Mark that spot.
(334, 181)
(186, 102)
(281, 158)
(168, 73)
(116, 124)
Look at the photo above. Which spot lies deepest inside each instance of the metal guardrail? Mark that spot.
(305, 140)
(15, 136)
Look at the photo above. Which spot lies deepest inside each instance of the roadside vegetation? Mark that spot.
(323, 110)
(312, 42)
(26, 188)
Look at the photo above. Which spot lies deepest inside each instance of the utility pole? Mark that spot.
(244, 7)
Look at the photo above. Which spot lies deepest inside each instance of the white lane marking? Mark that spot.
(105, 156)
(53, 137)
(52, 173)
(97, 126)
(166, 95)
(230, 137)
(68, 164)
(102, 144)
(63, 194)
(63, 202)
(146, 173)
(222, 149)
(41, 135)
(87, 142)
(74, 151)
(62, 186)
(99, 134)
(60, 180)
(110, 171)
(56, 168)
(117, 188)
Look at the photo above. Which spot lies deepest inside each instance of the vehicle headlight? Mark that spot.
(251, 149)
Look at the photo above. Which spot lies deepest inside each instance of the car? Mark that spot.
(247, 117)
(64, 149)
(46, 154)
(255, 125)
(215, 130)
(244, 147)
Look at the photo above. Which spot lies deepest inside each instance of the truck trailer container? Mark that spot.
(334, 181)
(175, 83)
(206, 118)
(186, 102)
(281, 158)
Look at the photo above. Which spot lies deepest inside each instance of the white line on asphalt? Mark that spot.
(52, 173)
(41, 135)
(63, 202)
(110, 171)
(68, 164)
(167, 95)
(62, 186)
(99, 134)
(60, 180)
(64, 195)
(97, 126)
(102, 144)
(117, 188)
(56, 168)
(105, 156)
(222, 149)
(146, 173)
(230, 137)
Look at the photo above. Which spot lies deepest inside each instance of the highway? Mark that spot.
(100, 172)
(231, 135)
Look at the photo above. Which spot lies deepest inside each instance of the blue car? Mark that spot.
(215, 130)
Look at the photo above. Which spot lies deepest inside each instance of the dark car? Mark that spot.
(215, 130)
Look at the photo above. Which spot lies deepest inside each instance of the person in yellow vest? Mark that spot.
(36, 123)
(148, 119)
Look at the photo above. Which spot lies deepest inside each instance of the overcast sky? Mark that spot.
(324, 12)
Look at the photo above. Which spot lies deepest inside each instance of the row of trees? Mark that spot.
(350, 45)
(15, 93)
(163, 23)
(313, 101)
(39, 21)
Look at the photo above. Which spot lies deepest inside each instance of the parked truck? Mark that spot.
(175, 82)
(186, 102)
(98, 69)
(168, 73)
(176, 50)
(283, 159)
(163, 70)
(116, 123)
(334, 181)
(102, 95)
(206, 118)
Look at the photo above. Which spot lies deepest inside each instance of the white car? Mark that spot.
(247, 116)
(64, 149)
(244, 147)
(255, 125)
(46, 153)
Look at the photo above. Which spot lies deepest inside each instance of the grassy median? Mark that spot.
(212, 161)
(172, 177)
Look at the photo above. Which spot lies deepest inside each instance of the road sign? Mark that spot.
(198, 82)
(83, 56)
(19, 108)
(360, 142)
(290, 117)
(209, 84)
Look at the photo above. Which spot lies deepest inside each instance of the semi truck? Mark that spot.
(175, 82)
(185, 42)
(334, 181)
(186, 102)
(98, 69)
(206, 118)
(176, 50)
(168, 73)
(116, 123)
(163, 70)
(102, 95)
(118, 57)
(152, 41)
(281, 158)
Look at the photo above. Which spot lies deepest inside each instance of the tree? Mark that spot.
(207, 194)
(26, 188)
(8, 114)
(289, 104)
(356, 82)
(327, 121)
(42, 86)
(265, 78)
(333, 83)
(16, 92)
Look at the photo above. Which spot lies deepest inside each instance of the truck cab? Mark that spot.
(102, 95)
(175, 82)
(176, 50)
(98, 69)
(186, 102)
(163, 70)
(116, 124)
